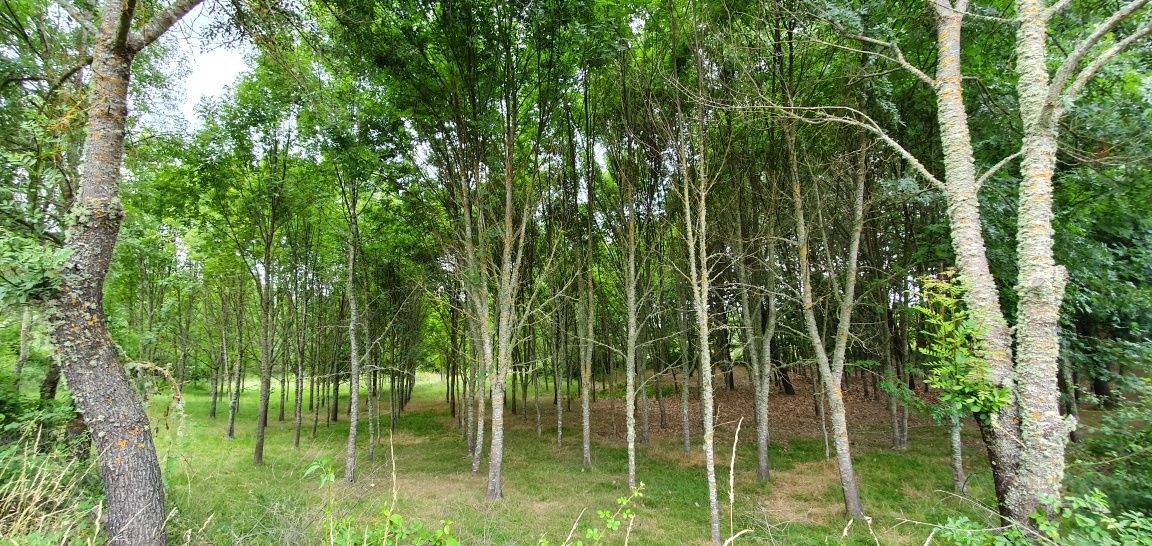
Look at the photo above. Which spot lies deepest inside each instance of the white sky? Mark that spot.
(211, 67)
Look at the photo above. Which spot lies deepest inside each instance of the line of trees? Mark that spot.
(528, 196)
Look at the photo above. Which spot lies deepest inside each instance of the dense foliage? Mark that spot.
(609, 197)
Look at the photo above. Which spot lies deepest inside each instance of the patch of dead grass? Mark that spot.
(798, 494)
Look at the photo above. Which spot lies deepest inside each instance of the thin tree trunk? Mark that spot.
(265, 352)
(25, 338)
(831, 370)
(213, 391)
(560, 366)
(353, 345)
(959, 481)
(685, 372)
(237, 369)
(587, 318)
(283, 390)
(641, 359)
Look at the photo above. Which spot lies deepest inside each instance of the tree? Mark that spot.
(100, 386)
(1026, 436)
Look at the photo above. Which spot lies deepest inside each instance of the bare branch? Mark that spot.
(869, 125)
(988, 174)
(1056, 8)
(1072, 63)
(1093, 67)
(160, 24)
(896, 57)
(80, 17)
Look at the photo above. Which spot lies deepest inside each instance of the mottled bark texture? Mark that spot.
(1040, 283)
(101, 388)
(1026, 437)
(695, 195)
(354, 349)
(960, 186)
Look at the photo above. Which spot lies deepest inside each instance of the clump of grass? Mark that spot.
(47, 498)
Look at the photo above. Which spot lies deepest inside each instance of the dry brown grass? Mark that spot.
(40, 495)
(798, 494)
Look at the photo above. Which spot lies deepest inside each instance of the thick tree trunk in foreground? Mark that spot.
(101, 388)
(1000, 431)
(1040, 284)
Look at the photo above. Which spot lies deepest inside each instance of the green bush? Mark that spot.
(1077, 521)
(1116, 455)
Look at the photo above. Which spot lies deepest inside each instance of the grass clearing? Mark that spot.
(221, 498)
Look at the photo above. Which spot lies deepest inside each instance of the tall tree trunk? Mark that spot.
(353, 347)
(1040, 283)
(685, 397)
(1000, 431)
(959, 481)
(265, 352)
(586, 315)
(831, 370)
(101, 388)
(482, 369)
(237, 369)
(213, 391)
(758, 347)
(642, 377)
(632, 337)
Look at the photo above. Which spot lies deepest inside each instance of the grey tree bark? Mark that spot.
(509, 282)
(758, 332)
(959, 481)
(101, 388)
(961, 188)
(831, 370)
(353, 337)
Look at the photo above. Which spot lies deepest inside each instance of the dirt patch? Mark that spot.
(798, 494)
(790, 416)
(402, 438)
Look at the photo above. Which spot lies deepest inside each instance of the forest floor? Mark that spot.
(221, 498)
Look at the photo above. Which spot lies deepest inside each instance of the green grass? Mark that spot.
(220, 497)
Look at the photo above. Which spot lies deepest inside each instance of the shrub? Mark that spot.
(1078, 520)
(1116, 455)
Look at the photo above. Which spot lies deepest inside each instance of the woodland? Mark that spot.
(547, 272)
